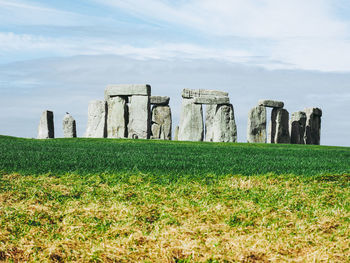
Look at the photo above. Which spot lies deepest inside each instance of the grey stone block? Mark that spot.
(127, 90)
(46, 129)
(212, 100)
(271, 103)
(297, 127)
(69, 126)
(97, 115)
(313, 126)
(160, 100)
(256, 130)
(192, 93)
(161, 123)
(191, 126)
(117, 117)
(220, 125)
(139, 126)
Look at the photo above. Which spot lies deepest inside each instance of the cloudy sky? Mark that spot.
(61, 54)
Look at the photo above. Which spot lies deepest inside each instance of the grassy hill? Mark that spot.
(103, 200)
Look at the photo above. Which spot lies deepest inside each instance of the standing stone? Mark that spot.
(220, 125)
(96, 127)
(139, 117)
(69, 126)
(161, 123)
(297, 127)
(191, 126)
(279, 128)
(159, 100)
(313, 126)
(176, 133)
(46, 129)
(256, 131)
(117, 117)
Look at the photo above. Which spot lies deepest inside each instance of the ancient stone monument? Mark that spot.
(69, 126)
(96, 126)
(303, 128)
(220, 123)
(279, 123)
(46, 128)
(256, 130)
(128, 111)
(161, 118)
(313, 126)
(297, 127)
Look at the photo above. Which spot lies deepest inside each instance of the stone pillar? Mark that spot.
(256, 130)
(161, 122)
(281, 124)
(220, 125)
(139, 126)
(69, 126)
(297, 127)
(191, 126)
(117, 117)
(96, 127)
(46, 129)
(313, 126)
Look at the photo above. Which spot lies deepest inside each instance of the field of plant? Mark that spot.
(100, 200)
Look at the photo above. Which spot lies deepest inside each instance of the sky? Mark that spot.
(59, 55)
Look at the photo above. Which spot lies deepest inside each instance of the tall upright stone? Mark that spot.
(256, 130)
(139, 126)
(313, 126)
(220, 125)
(297, 127)
(117, 117)
(161, 122)
(46, 129)
(97, 115)
(69, 126)
(279, 127)
(191, 126)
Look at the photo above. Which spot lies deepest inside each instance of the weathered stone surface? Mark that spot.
(279, 126)
(139, 126)
(161, 123)
(176, 133)
(192, 93)
(313, 126)
(69, 126)
(96, 126)
(191, 126)
(117, 117)
(256, 130)
(46, 129)
(271, 103)
(160, 100)
(212, 100)
(297, 127)
(127, 90)
(220, 125)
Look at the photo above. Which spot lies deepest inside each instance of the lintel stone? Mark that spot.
(192, 93)
(271, 103)
(212, 100)
(127, 90)
(160, 100)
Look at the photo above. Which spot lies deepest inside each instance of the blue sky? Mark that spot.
(60, 54)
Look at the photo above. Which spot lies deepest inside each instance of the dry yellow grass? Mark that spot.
(233, 219)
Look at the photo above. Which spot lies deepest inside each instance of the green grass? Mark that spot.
(99, 200)
(168, 159)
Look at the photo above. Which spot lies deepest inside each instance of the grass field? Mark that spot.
(102, 200)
